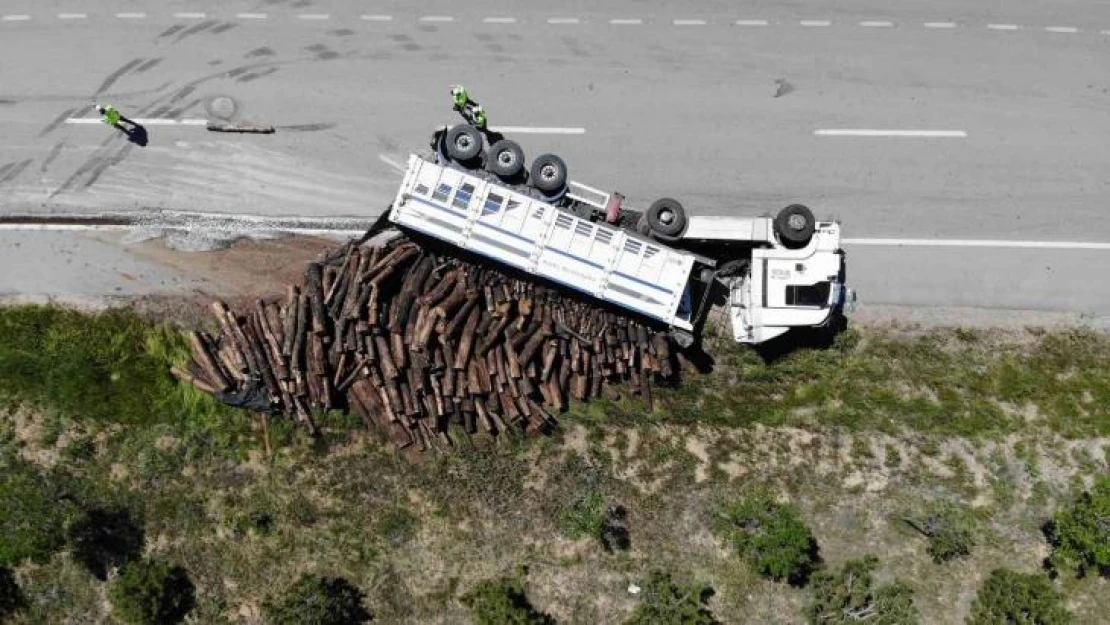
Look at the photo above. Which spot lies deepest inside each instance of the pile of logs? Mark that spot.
(414, 340)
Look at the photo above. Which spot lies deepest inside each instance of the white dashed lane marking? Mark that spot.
(689, 22)
(1061, 29)
(499, 20)
(812, 23)
(376, 18)
(73, 16)
(940, 24)
(131, 16)
(635, 21)
(562, 20)
(868, 132)
(876, 24)
(16, 18)
(1003, 26)
(437, 18)
(251, 16)
(190, 16)
(314, 16)
(750, 22)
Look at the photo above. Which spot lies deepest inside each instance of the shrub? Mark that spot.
(588, 515)
(11, 597)
(317, 600)
(1080, 534)
(849, 596)
(1024, 598)
(151, 592)
(950, 532)
(32, 514)
(503, 602)
(104, 538)
(666, 603)
(773, 537)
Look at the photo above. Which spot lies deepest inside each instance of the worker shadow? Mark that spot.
(136, 133)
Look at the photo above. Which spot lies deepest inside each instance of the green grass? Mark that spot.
(941, 383)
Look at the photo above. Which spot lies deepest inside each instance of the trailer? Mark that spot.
(777, 272)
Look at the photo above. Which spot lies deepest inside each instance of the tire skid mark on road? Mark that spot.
(223, 28)
(14, 172)
(58, 121)
(150, 64)
(179, 111)
(253, 76)
(194, 29)
(115, 159)
(54, 153)
(116, 75)
(171, 31)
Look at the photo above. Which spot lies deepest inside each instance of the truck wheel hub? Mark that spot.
(796, 222)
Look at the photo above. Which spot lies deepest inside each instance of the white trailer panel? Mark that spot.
(497, 222)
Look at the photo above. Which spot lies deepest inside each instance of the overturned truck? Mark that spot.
(475, 193)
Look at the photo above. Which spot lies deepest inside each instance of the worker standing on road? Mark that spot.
(111, 116)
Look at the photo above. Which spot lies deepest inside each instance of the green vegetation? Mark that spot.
(151, 592)
(11, 596)
(33, 513)
(1080, 533)
(849, 595)
(950, 531)
(869, 441)
(105, 538)
(665, 603)
(317, 600)
(1020, 598)
(503, 602)
(938, 382)
(772, 537)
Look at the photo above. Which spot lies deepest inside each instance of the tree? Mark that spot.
(773, 537)
(503, 602)
(1019, 598)
(11, 597)
(1080, 534)
(950, 531)
(849, 596)
(667, 603)
(317, 600)
(151, 592)
(103, 538)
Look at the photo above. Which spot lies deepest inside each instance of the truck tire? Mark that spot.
(794, 225)
(464, 143)
(505, 158)
(549, 173)
(667, 217)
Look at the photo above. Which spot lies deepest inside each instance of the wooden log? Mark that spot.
(271, 342)
(385, 358)
(466, 342)
(200, 383)
(208, 363)
(315, 288)
(290, 320)
(342, 278)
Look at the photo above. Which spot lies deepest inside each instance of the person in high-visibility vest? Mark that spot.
(479, 114)
(468, 108)
(460, 96)
(110, 115)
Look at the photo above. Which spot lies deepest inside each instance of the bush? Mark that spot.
(950, 532)
(105, 538)
(1080, 534)
(1024, 598)
(32, 514)
(317, 600)
(666, 603)
(151, 592)
(503, 602)
(588, 515)
(11, 597)
(772, 537)
(848, 596)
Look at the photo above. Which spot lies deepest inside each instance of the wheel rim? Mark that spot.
(796, 222)
(462, 142)
(549, 172)
(666, 216)
(506, 158)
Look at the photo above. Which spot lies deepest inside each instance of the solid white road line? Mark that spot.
(251, 16)
(940, 24)
(73, 16)
(376, 18)
(750, 22)
(64, 227)
(131, 16)
(1061, 29)
(190, 16)
(562, 20)
(876, 24)
(689, 22)
(436, 18)
(996, 243)
(152, 121)
(1003, 26)
(815, 23)
(314, 16)
(539, 130)
(627, 22)
(499, 20)
(888, 133)
(16, 18)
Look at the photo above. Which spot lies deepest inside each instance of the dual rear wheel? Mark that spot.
(505, 158)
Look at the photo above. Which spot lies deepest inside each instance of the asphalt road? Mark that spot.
(716, 104)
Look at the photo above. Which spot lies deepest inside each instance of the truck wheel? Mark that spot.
(794, 225)
(464, 142)
(549, 173)
(667, 217)
(505, 158)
